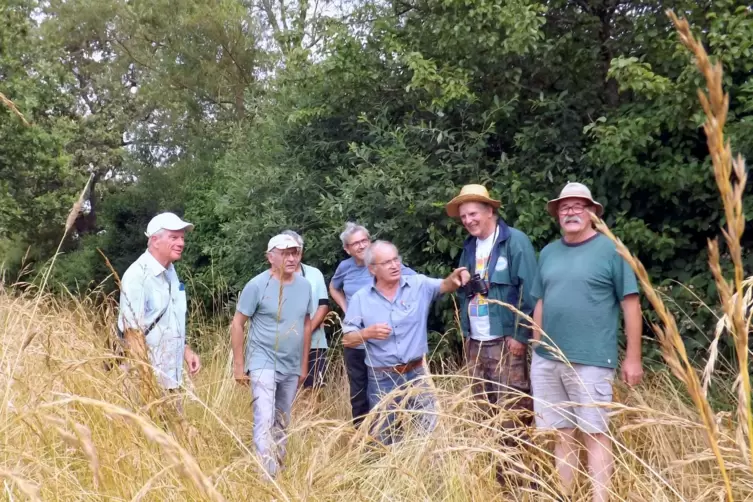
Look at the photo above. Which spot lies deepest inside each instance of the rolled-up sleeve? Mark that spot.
(429, 286)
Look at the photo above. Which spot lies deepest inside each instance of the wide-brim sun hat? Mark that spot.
(166, 221)
(282, 241)
(573, 191)
(470, 193)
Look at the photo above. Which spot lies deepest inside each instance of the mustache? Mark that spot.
(573, 219)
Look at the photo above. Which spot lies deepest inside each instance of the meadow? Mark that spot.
(73, 430)
(76, 428)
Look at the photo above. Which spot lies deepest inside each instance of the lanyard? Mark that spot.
(489, 256)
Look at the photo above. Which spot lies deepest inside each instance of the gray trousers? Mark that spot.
(273, 395)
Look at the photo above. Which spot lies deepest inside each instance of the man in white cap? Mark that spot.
(153, 301)
(277, 303)
(581, 283)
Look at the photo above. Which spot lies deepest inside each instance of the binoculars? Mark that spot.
(476, 286)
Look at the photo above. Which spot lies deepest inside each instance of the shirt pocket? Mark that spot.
(501, 277)
(158, 300)
(403, 317)
(507, 290)
(181, 308)
(181, 302)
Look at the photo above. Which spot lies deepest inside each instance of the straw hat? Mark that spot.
(574, 190)
(470, 193)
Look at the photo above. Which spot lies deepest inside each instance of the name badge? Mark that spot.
(501, 264)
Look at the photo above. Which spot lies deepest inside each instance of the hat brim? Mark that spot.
(551, 206)
(174, 228)
(285, 247)
(453, 207)
(183, 226)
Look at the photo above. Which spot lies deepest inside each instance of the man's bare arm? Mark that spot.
(632, 366)
(319, 316)
(455, 280)
(339, 296)
(538, 317)
(237, 337)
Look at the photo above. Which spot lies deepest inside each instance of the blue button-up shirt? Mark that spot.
(406, 315)
(351, 277)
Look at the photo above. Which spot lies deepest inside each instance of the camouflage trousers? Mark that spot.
(502, 378)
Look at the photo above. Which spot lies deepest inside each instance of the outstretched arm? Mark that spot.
(459, 277)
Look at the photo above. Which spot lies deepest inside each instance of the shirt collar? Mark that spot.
(403, 282)
(153, 265)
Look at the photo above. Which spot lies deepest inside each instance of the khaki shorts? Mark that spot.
(559, 388)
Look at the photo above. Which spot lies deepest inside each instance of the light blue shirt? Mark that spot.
(321, 297)
(406, 315)
(146, 290)
(351, 277)
(277, 317)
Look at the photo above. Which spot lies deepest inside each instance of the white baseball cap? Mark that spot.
(166, 221)
(282, 241)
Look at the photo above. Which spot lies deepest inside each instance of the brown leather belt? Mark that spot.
(401, 369)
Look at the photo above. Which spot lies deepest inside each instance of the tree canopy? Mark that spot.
(251, 116)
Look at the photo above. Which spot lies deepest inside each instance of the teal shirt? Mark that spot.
(321, 298)
(582, 286)
(275, 337)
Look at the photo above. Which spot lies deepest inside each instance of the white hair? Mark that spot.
(368, 257)
(296, 237)
(156, 235)
(350, 229)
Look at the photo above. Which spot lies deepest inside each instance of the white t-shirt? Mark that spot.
(478, 310)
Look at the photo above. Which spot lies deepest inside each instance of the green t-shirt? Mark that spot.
(582, 286)
(275, 337)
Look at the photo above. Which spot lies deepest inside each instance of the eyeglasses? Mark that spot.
(577, 209)
(395, 261)
(361, 243)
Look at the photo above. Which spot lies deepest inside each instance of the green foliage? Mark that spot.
(302, 118)
(37, 184)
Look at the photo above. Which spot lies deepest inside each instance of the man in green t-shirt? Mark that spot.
(580, 286)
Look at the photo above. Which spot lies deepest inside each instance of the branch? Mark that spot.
(283, 15)
(267, 6)
(241, 70)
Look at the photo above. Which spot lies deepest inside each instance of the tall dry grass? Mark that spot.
(72, 430)
(731, 451)
(6, 101)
